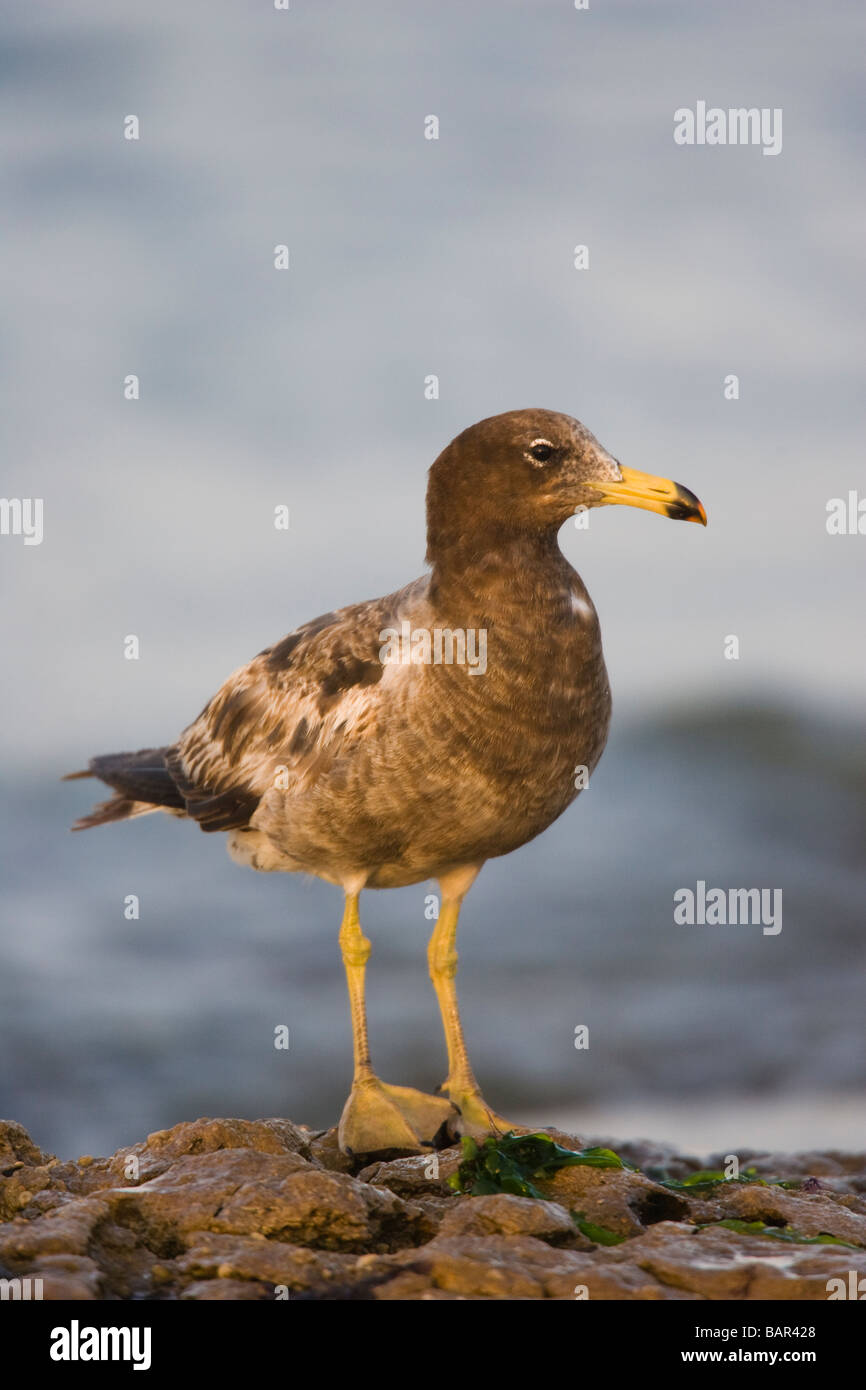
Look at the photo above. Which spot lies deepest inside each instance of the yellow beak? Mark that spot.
(653, 494)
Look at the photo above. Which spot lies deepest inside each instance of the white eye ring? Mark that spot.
(540, 444)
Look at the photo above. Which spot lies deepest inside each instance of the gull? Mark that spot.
(372, 762)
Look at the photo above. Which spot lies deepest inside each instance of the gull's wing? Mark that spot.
(283, 719)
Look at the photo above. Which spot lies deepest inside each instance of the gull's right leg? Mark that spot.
(377, 1117)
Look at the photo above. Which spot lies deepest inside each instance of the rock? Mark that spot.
(162, 1148)
(16, 1147)
(782, 1165)
(718, 1263)
(508, 1267)
(72, 1278)
(238, 1191)
(619, 1200)
(26, 1188)
(67, 1231)
(506, 1215)
(813, 1214)
(420, 1175)
(325, 1150)
(242, 1210)
(655, 1160)
(229, 1289)
(269, 1262)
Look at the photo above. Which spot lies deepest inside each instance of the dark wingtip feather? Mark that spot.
(116, 808)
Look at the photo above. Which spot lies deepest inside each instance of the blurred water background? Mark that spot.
(306, 388)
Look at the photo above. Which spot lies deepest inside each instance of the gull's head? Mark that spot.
(528, 470)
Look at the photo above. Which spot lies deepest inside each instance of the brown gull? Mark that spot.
(415, 736)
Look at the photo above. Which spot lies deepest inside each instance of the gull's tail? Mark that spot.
(141, 782)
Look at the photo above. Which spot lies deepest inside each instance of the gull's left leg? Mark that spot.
(461, 1088)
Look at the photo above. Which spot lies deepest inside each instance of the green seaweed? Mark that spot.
(787, 1233)
(600, 1234)
(707, 1179)
(509, 1162)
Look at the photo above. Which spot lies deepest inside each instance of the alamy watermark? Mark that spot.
(846, 516)
(854, 1289)
(410, 646)
(26, 1290)
(22, 516)
(77, 1343)
(738, 125)
(719, 907)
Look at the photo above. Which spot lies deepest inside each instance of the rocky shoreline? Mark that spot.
(240, 1209)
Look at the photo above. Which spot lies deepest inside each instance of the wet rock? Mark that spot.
(722, 1264)
(812, 1214)
(242, 1210)
(238, 1191)
(506, 1215)
(621, 1201)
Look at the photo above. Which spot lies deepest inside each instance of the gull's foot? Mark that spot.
(426, 1114)
(378, 1118)
(476, 1118)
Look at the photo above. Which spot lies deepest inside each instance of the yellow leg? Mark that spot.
(378, 1118)
(356, 948)
(461, 1088)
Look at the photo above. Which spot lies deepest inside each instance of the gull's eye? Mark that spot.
(541, 450)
